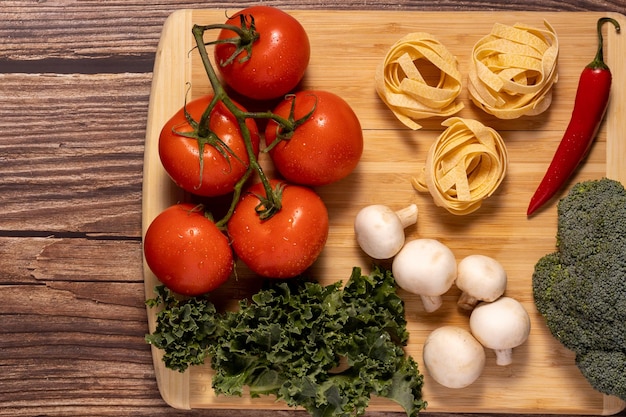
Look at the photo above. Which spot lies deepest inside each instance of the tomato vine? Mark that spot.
(270, 204)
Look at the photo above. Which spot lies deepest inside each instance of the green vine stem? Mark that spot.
(245, 37)
(271, 204)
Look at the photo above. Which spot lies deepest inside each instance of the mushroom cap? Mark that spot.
(379, 231)
(501, 324)
(453, 357)
(482, 277)
(424, 267)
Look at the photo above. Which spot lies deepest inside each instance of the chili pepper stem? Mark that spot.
(598, 61)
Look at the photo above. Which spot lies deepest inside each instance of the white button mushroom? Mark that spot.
(480, 278)
(453, 357)
(425, 267)
(500, 325)
(380, 231)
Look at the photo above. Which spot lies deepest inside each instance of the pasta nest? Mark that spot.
(464, 166)
(513, 69)
(409, 92)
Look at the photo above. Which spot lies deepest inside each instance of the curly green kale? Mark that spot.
(580, 289)
(185, 329)
(327, 349)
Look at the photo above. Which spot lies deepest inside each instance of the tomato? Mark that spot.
(325, 148)
(186, 251)
(286, 244)
(180, 154)
(278, 58)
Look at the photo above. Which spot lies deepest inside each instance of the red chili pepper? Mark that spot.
(592, 98)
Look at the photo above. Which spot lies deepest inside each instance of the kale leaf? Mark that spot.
(326, 349)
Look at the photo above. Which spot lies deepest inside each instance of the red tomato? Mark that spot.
(278, 59)
(286, 244)
(180, 154)
(325, 148)
(186, 251)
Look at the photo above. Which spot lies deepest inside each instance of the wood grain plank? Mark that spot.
(81, 338)
(73, 160)
(53, 262)
(78, 260)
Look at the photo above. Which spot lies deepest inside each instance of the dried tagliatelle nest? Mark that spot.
(513, 69)
(464, 166)
(419, 78)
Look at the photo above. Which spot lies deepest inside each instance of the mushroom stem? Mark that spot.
(504, 357)
(466, 301)
(431, 303)
(408, 215)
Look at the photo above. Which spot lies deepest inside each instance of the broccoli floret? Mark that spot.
(589, 225)
(580, 289)
(599, 367)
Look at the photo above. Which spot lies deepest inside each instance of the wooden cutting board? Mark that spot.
(346, 48)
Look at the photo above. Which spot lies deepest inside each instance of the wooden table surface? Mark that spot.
(75, 80)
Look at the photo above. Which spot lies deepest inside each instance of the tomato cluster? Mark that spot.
(278, 226)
